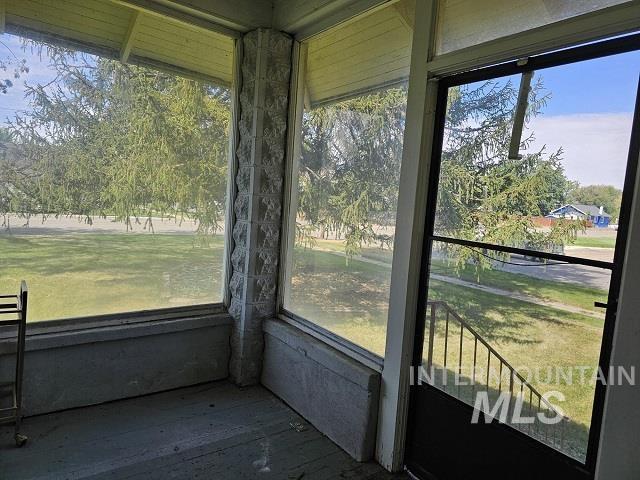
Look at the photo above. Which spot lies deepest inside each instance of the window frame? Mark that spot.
(293, 149)
(298, 101)
(156, 315)
(581, 53)
(91, 322)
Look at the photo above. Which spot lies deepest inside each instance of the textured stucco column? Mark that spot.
(266, 69)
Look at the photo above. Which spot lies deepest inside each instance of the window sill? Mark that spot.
(77, 331)
(344, 346)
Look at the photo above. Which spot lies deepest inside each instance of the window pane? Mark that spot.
(346, 179)
(463, 23)
(347, 196)
(112, 183)
(346, 205)
(560, 191)
(524, 330)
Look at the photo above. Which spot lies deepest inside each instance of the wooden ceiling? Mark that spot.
(364, 54)
(134, 35)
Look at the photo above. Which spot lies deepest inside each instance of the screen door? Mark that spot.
(529, 197)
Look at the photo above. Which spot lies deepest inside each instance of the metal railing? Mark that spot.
(531, 400)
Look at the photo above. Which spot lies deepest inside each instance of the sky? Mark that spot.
(589, 113)
(39, 72)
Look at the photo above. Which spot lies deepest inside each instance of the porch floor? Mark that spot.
(212, 431)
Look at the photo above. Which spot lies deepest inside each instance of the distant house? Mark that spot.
(595, 215)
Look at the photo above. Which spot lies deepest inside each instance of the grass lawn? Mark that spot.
(572, 294)
(371, 253)
(528, 336)
(87, 274)
(600, 242)
(90, 274)
(568, 293)
(351, 300)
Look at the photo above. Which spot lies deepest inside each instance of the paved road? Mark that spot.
(575, 274)
(64, 225)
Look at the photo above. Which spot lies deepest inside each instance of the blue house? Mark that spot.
(596, 215)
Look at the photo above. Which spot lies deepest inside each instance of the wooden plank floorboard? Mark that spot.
(184, 433)
(195, 456)
(257, 458)
(214, 431)
(270, 452)
(97, 423)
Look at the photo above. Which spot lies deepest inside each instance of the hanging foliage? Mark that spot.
(106, 138)
(350, 168)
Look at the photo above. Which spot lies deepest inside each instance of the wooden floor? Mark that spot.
(213, 431)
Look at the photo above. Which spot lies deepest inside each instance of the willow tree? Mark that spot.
(106, 138)
(11, 65)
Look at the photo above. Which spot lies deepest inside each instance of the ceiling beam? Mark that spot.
(308, 18)
(229, 17)
(129, 38)
(406, 9)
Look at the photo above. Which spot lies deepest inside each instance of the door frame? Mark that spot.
(542, 61)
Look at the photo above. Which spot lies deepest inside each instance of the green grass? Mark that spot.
(600, 242)
(90, 274)
(571, 294)
(370, 253)
(567, 293)
(351, 300)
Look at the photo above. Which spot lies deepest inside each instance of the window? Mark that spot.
(464, 23)
(571, 150)
(113, 175)
(345, 179)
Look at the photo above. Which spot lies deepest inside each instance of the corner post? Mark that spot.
(264, 96)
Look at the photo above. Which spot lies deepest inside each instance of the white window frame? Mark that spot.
(299, 99)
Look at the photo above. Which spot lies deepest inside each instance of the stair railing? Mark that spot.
(533, 401)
